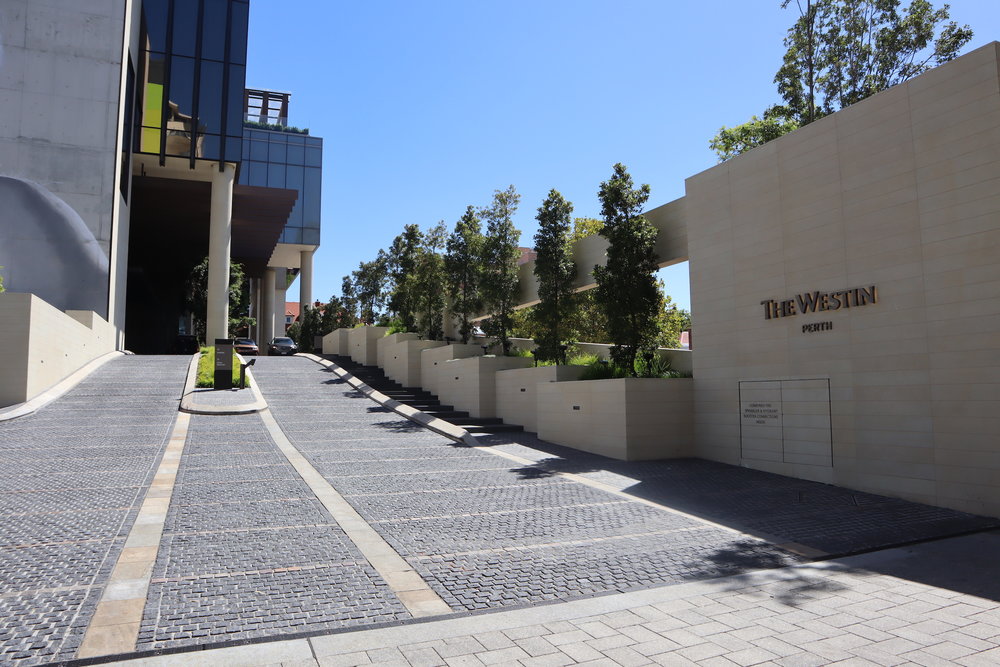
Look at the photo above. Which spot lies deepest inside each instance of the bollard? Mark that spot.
(243, 372)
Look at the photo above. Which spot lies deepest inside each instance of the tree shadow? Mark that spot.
(400, 426)
(378, 409)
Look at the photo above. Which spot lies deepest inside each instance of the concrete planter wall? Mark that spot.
(630, 419)
(362, 344)
(42, 344)
(470, 384)
(336, 342)
(385, 342)
(403, 361)
(517, 391)
(432, 361)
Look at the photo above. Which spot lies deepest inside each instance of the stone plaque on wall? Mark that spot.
(786, 421)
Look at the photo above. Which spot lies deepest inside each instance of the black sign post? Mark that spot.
(223, 363)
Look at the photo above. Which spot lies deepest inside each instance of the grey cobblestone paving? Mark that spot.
(832, 519)
(482, 533)
(71, 478)
(248, 551)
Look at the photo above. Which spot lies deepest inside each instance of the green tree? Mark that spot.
(429, 283)
(837, 53)
(369, 284)
(464, 269)
(401, 263)
(196, 298)
(555, 272)
(349, 300)
(2, 288)
(626, 287)
(310, 324)
(671, 320)
(500, 254)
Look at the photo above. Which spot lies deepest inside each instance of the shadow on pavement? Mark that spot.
(830, 519)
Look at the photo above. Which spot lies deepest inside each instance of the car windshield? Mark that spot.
(282, 341)
(244, 341)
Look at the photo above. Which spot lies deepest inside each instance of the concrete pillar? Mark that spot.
(305, 280)
(266, 310)
(219, 240)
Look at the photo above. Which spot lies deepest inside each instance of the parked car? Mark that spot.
(280, 346)
(246, 346)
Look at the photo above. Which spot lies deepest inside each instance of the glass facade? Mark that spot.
(192, 78)
(290, 160)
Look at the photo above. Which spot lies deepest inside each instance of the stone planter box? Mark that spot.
(403, 361)
(470, 384)
(385, 342)
(630, 419)
(432, 361)
(362, 344)
(336, 342)
(517, 392)
(680, 360)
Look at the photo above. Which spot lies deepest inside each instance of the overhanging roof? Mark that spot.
(178, 213)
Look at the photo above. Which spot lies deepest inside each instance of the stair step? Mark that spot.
(495, 428)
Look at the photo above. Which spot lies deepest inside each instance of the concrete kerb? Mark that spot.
(57, 390)
(440, 426)
(190, 392)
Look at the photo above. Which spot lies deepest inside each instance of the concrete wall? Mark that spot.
(363, 344)
(900, 192)
(432, 362)
(43, 345)
(470, 384)
(517, 392)
(384, 343)
(60, 75)
(403, 361)
(337, 342)
(631, 419)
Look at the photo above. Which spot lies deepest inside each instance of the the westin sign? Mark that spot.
(814, 302)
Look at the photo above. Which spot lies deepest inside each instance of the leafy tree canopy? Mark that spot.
(837, 53)
(464, 270)
(500, 255)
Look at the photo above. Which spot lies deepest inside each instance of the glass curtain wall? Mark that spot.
(192, 78)
(290, 160)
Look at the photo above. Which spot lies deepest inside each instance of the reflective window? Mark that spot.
(258, 151)
(275, 175)
(257, 174)
(154, 13)
(313, 186)
(314, 157)
(210, 98)
(185, 27)
(277, 152)
(296, 154)
(213, 44)
(241, 24)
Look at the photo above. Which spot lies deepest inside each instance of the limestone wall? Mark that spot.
(882, 223)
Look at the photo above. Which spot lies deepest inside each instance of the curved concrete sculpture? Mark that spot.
(47, 249)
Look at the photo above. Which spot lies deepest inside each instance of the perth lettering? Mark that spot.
(817, 326)
(813, 302)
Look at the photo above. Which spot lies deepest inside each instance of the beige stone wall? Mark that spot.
(432, 362)
(337, 342)
(403, 361)
(901, 192)
(384, 343)
(470, 383)
(362, 344)
(43, 345)
(631, 419)
(517, 392)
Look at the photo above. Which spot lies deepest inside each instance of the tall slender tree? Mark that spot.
(555, 272)
(401, 264)
(369, 287)
(500, 255)
(626, 286)
(464, 269)
(429, 279)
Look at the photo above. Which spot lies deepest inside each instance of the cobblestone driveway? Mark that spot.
(481, 533)
(72, 476)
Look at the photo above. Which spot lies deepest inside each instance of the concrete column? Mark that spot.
(219, 241)
(266, 311)
(305, 280)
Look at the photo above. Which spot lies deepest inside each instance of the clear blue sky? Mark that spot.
(427, 107)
